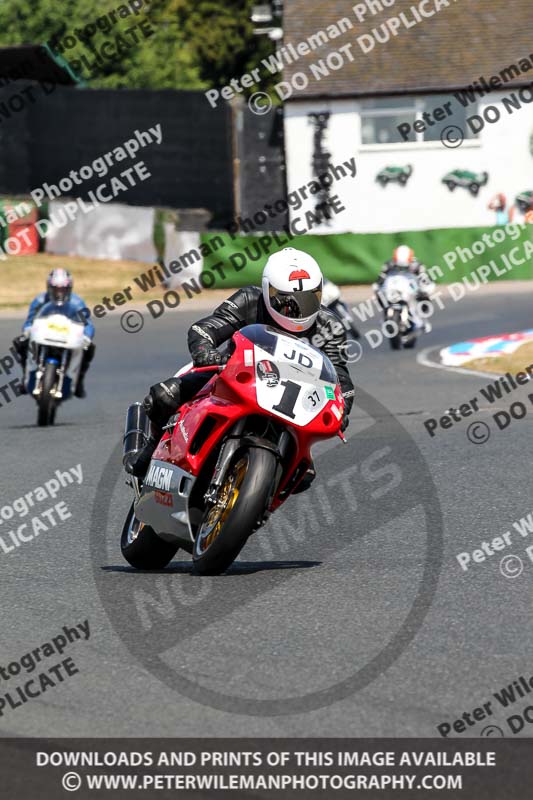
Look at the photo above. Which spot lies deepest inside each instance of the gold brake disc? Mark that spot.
(226, 499)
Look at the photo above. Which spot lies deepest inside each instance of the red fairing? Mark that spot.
(225, 399)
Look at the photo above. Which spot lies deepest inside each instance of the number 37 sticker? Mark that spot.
(312, 399)
(315, 399)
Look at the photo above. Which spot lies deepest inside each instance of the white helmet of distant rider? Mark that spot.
(59, 285)
(292, 289)
(403, 256)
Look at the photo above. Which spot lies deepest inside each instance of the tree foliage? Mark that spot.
(196, 44)
(222, 37)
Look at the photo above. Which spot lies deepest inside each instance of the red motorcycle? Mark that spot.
(233, 454)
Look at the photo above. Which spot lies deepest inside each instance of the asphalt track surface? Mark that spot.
(343, 616)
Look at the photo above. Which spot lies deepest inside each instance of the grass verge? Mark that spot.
(23, 277)
(508, 362)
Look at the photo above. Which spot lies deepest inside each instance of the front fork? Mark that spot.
(404, 314)
(39, 372)
(228, 450)
(57, 393)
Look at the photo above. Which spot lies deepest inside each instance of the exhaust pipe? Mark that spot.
(136, 432)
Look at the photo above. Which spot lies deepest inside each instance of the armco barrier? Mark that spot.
(357, 257)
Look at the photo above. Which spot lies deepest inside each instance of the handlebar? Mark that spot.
(212, 368)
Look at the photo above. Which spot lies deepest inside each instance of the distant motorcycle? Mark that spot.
(331, 298)
(398, 297)
(233, 454)
(54, 358)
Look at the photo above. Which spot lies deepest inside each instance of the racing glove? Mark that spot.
(87, 342)
(207, 356)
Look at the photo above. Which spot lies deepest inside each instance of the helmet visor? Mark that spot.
(59, 294)
(296, 305)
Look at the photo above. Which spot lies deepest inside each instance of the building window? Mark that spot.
(381, 118)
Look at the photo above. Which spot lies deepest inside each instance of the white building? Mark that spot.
(359, 91)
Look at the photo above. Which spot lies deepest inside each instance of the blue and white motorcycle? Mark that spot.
(56, 345)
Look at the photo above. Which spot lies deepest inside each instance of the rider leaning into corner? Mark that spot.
(290, 300)
(59, 290)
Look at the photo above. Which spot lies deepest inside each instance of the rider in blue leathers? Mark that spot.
(59, 290)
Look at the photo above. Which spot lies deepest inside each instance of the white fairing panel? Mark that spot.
(57, 331)
(399, 288)
(288, 383)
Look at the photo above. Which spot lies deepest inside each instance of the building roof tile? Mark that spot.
(461, 42)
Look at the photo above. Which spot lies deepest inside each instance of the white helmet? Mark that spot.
(292, 289)
(403, 256)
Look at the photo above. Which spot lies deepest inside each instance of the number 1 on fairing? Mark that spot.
(288, 399)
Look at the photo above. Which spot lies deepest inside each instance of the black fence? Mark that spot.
(46, 135)
(46, 131)
(262, 165)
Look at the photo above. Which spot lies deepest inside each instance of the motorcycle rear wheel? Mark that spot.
(142, 547)
(241, 504)
(47, 404)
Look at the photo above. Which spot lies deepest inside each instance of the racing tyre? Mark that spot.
(450, 185)
(47, 404)
(474, 189)
(396, 340)
(142, 547)
(239, 510)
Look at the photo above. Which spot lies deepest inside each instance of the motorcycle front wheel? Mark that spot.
(395, 340)
(238, 511)
(47, 404)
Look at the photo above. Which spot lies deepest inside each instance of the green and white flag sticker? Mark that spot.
(330, 393)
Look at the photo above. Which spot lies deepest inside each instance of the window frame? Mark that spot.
(419, 105)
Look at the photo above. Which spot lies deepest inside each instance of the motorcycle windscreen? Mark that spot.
(63, 309)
